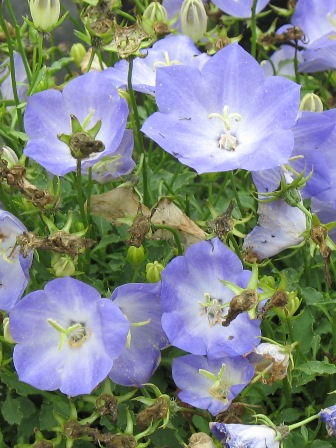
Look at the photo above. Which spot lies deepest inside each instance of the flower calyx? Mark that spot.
(81, 142)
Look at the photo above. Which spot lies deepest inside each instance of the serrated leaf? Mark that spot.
(311, 296)
(11, 411)
(317, 368)
(47, 419)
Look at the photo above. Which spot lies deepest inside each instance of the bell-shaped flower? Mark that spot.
(170, 51)
(21, 80)
(117, 165)
(211, 384)
(328, 416)
(14, 268)
(67, 337)
(45, 14)
(317, 20)
(240, 8)
(88, 123)
(195, 302)
(280, 226)
(205, 121)
(140, 303)
(251, 436)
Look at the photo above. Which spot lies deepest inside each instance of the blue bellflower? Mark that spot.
(206, 121)
(14, 268)
(21, 79)
(245, 436)
(195, 302)
(328, 416)
(67, 337)
(211, 384)
(94, 102)
(318, 21)
(172, 50)
(140, 303)
(240, 8)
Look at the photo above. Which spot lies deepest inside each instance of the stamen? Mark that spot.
(227, 141)
(166, 63)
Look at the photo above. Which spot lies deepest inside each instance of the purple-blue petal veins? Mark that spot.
(195, 302)
(214, 392)
(91, 97)
(244, 436)
(14, 268)
(328, 416)
(205, 121)
(77, 359)
(140, 303)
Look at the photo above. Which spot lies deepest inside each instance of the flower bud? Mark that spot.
(311, 103)
(7, 335)
(78, 52)
(153, 271)
(136, 255)
(153, 14)
(6, 153)
(62, 265)
(193, 19)
(45, 14)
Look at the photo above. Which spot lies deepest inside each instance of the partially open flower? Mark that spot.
(328, 416)
(193, 19)
(252, 436)
(45, 14)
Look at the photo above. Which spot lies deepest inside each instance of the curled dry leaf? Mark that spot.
(121, 206)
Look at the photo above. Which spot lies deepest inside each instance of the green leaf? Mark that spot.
(302, 330)
(11, 411)
(317, 368)
(311, 296)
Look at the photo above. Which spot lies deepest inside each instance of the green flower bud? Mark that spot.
(45, 14)
(7, 335)
(311, 103)
(290, 308)
(193, 19)
(62, 265)
(6, 153)
(153, 14)
(136, 255)
(78, 52)
(153, 271)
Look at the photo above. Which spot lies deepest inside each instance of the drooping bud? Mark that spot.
(45, 14)
(153, 271)
(154, 13)
(311, 103)
(193, 19)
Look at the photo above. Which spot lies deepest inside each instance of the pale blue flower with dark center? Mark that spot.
(211, 384)
(88, 123)
(195, 302)
(67, 337)
(226, 115)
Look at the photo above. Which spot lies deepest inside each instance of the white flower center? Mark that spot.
(227, 141)
(166, 63)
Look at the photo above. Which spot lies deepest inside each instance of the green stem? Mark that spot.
(175, 234)
(12, 68)
(18, 39)
(254, 30)
(138, 133)
(124, 14)
(80, 192)
(37, 64)
(303, 422)
(235, 192)
(92, 55)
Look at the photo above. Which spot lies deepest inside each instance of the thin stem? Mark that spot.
(235, 192)
(80, 192)
(254, 30)
(12, 68)
(175, 234)
(138, 133)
